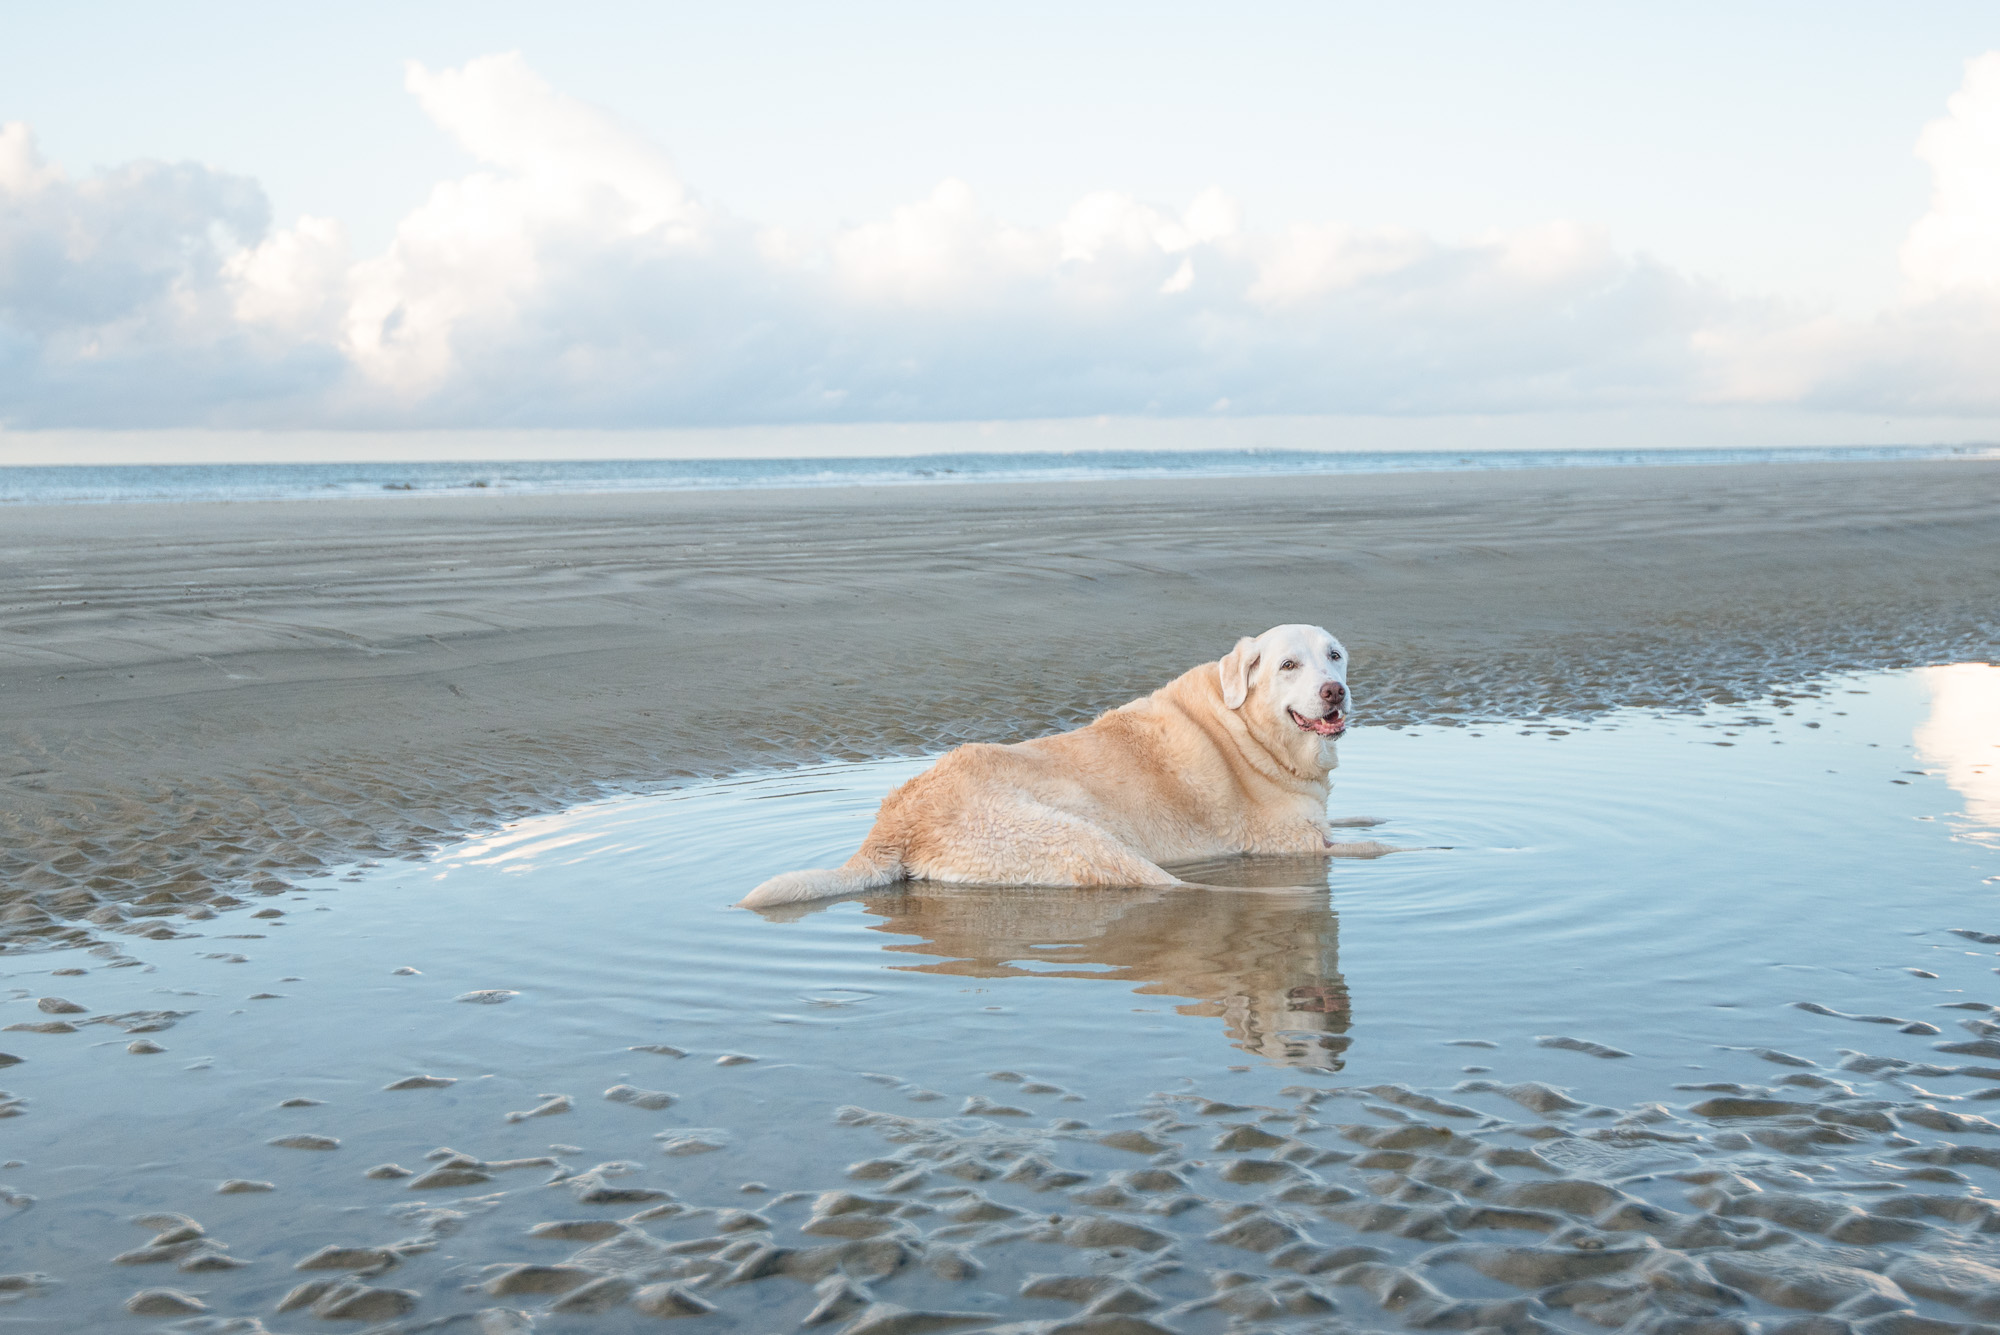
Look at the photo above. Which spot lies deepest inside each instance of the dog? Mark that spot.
(1231, 757)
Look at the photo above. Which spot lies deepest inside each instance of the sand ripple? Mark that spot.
(368, 680)
(1809, 1207)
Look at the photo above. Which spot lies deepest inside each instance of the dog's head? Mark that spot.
(1290, 686)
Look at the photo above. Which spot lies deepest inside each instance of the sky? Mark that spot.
(496, 216)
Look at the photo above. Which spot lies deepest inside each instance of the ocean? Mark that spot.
(94, 483)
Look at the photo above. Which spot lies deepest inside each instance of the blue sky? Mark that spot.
(629, 215)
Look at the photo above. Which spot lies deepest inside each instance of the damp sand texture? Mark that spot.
(260, 1073)
(1536, 1077)
(198, 699)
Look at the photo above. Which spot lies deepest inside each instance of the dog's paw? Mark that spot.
(1356, 822)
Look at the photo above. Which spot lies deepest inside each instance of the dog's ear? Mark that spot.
(1235, 668)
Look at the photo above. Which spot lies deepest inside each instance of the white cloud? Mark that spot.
(22, 171)
(561, 175)
(940, 252)
(1306, 263)
(573, 278)
(115, 296)
(1935, 348)
(1954, 249)
(579, 161)
(121, 252)
(294, 281)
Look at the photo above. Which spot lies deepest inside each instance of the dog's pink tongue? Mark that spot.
(1325, 727)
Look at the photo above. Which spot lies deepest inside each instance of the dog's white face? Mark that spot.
(1292, 683)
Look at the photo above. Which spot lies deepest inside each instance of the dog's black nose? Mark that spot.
(1333, 692)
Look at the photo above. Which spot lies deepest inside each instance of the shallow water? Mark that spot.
(72, 484)
(1668, 889)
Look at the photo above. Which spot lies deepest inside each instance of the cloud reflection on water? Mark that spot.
(1961, 736)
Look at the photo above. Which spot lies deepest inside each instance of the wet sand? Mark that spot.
(546, 1082)
(198, 700)
(506, 1100)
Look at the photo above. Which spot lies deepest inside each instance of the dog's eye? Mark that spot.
(1288, 666)
(1333, 655)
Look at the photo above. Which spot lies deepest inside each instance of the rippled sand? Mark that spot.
(1508, 1207)
(1691, 1024)
(197, 701)
(1676, 1026)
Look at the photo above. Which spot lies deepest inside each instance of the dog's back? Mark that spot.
(1184, 773)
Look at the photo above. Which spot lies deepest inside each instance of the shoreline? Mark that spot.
(201, 698)
(30, 485)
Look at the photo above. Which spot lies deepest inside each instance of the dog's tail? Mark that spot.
(873, 867)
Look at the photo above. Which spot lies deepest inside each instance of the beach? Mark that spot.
(489, 516)
(369, 867)
(199, 697)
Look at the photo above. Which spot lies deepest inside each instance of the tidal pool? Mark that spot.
(1735, 969)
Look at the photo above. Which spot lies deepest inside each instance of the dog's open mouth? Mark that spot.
(1332, 725)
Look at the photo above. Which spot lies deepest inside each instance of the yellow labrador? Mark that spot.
(1230, 757)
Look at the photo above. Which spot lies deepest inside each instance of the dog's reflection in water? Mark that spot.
(1256, 945)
